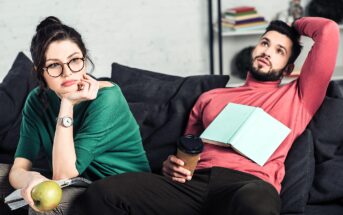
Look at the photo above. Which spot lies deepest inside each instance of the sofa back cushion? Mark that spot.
(14, 88)
(327, 127)
(300, 169)
(161, 104)
(316, 155)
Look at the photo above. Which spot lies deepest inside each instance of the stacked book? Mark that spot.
(243, 18)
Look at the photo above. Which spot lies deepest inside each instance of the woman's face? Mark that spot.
(58, 55)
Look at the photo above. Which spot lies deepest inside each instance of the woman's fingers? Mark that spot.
(87, 89)
(26, 194)
(80, 86)
(26, 191)
(93, 86)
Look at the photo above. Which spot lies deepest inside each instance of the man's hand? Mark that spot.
(173, 168)
(87, 90)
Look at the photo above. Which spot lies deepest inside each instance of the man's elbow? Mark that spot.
(331, 29)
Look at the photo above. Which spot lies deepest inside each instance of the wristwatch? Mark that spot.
(65, 121)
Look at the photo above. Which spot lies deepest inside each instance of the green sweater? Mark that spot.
(106, 135)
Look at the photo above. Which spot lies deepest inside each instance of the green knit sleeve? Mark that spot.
(108, 140)
(29, 144)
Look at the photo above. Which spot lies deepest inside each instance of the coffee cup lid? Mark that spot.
(190, 144)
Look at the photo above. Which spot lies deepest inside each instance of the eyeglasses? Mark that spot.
(56, 69)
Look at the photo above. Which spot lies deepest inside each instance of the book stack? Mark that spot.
(243, 18)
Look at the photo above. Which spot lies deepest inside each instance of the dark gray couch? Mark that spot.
(161, 103)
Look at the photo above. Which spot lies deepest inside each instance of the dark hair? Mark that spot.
(291, 33)
(241, 62)
(49, 30)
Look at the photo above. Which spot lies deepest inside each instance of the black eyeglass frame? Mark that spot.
(67, 63)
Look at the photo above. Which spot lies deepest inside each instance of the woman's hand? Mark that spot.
(173, 168)
(87, 90)
(26, 191)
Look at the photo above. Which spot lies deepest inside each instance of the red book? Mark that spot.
(241, 9)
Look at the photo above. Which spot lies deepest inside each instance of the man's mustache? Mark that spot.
(264, 57)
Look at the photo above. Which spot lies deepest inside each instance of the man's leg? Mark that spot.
(237, 193)
(146, 193)
(69, 204)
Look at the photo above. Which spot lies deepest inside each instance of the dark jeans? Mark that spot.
(211, 191)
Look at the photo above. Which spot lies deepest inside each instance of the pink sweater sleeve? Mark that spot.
(320, 62)
(195, 124)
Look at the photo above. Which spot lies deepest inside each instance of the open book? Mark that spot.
(15, 200)
(248, 130)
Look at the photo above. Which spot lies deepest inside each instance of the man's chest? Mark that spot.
(285, 107)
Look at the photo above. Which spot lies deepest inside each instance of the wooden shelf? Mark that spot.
(228, 33)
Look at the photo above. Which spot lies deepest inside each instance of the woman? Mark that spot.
(83, 125)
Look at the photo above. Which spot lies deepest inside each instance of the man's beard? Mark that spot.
(271, 75)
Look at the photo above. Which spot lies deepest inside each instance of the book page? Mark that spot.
(260, 136)
(226, 124)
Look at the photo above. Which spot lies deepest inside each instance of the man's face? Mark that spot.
(270, 56)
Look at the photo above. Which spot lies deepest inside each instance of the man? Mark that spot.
(226, 182)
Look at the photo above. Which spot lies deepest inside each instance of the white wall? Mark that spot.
(167, 36)
(160, 35)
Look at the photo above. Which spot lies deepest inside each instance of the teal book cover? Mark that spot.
(248, 130)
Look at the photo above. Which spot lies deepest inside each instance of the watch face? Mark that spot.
(67, 121)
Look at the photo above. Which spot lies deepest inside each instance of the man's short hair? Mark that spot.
(291, 33)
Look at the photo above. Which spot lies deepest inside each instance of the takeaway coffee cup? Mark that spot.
(189, 148)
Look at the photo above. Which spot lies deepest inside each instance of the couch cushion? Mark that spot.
(13, 91)
(335, 89)
(327, 127)
(161, 104)
(313, 161)
(299, 166)
(329, 208)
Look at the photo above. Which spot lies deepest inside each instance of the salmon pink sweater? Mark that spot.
(293, 104)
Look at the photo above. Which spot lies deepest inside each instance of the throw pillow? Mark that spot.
(335, 89)
(161, 104)
(299, 167)
(327, 126)
(13, 91)
(312, 163)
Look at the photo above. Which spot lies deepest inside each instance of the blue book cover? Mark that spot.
(249, 130)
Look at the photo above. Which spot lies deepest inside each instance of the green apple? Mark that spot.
(46, 195)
